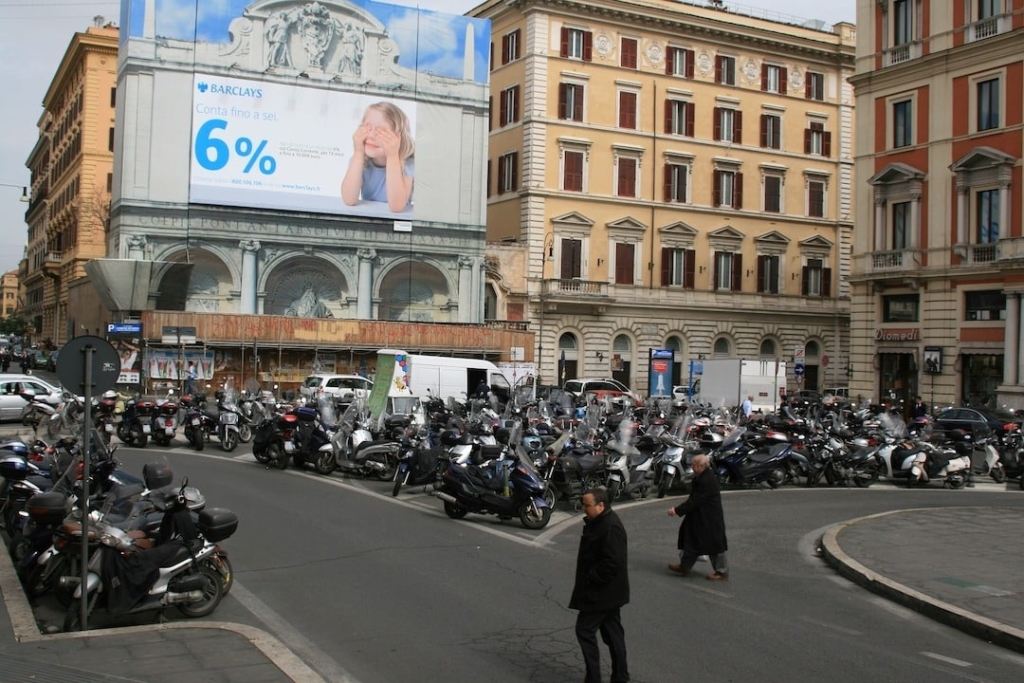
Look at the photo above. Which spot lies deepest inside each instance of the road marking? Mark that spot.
(245, 457)
(290, 636)
(947, 660)
(893, 608)
(832, 627)
(840, 581)
(710, 591)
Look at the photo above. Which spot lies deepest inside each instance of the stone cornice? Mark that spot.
(81, 43)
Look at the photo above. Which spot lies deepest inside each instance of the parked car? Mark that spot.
(977, 422)
(343, 388)
(11, 386)
(44, 360)
(600, 387)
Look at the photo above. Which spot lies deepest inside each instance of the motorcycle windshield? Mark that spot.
(733, 436)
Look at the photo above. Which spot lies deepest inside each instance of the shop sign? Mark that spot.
(908, 334)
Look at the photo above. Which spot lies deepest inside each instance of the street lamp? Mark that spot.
(23, 188)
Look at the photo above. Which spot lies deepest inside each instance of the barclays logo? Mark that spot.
(235, 90)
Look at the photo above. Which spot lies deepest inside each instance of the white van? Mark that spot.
(458, 378)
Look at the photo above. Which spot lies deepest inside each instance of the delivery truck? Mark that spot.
(726, 382)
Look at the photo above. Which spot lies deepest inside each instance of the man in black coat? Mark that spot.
(703, 529)
(602, 587)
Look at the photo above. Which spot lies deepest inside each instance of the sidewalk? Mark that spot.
(961, 566)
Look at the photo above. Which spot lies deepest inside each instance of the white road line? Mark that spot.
(709, 591)
(840, 581)
(290, 636)
(832, 627)
(245, 457)
(947, 660)
(891, 607)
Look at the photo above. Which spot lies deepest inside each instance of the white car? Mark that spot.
(341, 387)
(11, 386)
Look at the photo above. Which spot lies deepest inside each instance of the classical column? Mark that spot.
(476, 306)
(963, 202)
(1011, 342)
(465, 289)
(364, 302)
(1020, 338)
(879, 224)
(914, 238)
(1004, 210)
(250, 275)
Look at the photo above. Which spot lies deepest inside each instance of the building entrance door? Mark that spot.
(982, 374)
(897, 379)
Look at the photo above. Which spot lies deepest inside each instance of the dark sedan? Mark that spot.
(975, 421)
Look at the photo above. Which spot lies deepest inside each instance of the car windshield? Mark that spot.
(312, 382)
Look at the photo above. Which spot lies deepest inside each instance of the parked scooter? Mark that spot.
(355, 449)
(136, 422)
(270, 439)
(198, 423)
(165, 419)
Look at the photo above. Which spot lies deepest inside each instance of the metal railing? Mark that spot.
(577, 288)
(983, 253)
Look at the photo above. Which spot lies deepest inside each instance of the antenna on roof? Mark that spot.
(98, 20)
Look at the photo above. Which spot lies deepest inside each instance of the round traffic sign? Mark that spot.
(798, 369)
(106, 365)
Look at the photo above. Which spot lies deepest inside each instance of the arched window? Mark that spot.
(622, 359)
(768, 348)
(676, 344)
(568, 357)
(722, 347)
(490, 303)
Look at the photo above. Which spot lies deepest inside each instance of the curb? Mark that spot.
(23, 623)
(973, 624)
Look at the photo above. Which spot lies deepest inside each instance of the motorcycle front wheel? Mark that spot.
(244, 433)
(138, 437)
(454, 510)
(663, 485)
(399, 480)
(276, 455)
(533, 517)
(198, 438)
(998, 474)
(324, 462)
(776, 478)
(212, 590)
(229, 442)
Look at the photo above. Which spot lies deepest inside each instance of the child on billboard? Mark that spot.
(381, 168)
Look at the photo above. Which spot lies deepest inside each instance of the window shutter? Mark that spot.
(588, 46)
(573, 179)
(718, 69)
(565, 42)
(515, 171)
(807, 140)
(688, 112)
(826, 144)
(764, 77)
(670, 60)
(627, 177)
(503, 109)
(689, 259)
(501, 175)
(628, 53)
(488, 177)
(666, 266)
(737, 191)
(809, 87)
(714, 272)
(577, 111)
(816, 199)
(716, 183)
(562, 97)
(490, 113)
(826, 282)
(688, 66)
(737, 272)
(515, 103)
(764, 130)
(517, 35)
(761, 285)
(783, 80)
(737, 127)
(668, 116)
(504, 49)
(805, 278)
(627, 110)
(718, 123)
(492, 56)
(668, 183)
(624, 264)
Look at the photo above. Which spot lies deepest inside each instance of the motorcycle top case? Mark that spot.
(13, 468)
(217, 524)
(48, 508)
(157, 475)
(306, 413)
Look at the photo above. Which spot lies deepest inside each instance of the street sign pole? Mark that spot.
(87, 352)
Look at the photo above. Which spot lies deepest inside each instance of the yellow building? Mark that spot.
(71, 167)
(9, 289)
(680, 177)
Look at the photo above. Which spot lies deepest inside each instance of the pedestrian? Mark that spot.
(747, 407)
(190, 378)
(702, 531)
(602, 587)
(26, 363)
(482, 389)
(920, 409)
(5, 359)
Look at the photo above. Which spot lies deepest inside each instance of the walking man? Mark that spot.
(703, 529)
(602, 587)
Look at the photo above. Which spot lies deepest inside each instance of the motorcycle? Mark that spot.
(507, 487)
(227, 420)
(198, 423)
(136, 422)
(186, 574)
(311, 442)
(271, 437)
(355, 449)
(742, 463)
(165, 419)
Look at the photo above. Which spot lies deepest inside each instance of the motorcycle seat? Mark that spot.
(770, 454)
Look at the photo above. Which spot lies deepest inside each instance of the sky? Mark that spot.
(35, 33)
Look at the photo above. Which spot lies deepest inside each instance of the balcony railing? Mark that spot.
(1010, 249)
(982, 253)
(584, 289)
(895, 260)
(988, 27)
(902, 53)
(53, 257)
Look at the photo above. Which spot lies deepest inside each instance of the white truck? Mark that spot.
(726, 382)
(407, 374)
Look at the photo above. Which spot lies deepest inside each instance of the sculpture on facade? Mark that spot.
(353, 43)
(308, 305)
(316, 29)
(277, 31)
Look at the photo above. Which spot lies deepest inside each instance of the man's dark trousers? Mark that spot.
(608, 622)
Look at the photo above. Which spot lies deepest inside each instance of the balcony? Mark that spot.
(576, 289)
(52, 261)
(902, 259)
(988, 27)
(902, 53)
(982, 253)
(1010, 251)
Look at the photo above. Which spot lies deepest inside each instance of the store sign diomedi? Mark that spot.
(907, 334)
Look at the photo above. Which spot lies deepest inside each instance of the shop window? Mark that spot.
(985, 305)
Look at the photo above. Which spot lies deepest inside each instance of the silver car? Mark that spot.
(11, 386)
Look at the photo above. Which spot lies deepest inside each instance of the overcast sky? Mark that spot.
(35, 33)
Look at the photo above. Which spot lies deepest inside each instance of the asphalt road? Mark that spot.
(366, 588)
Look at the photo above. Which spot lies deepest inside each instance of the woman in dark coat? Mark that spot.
(703, 529)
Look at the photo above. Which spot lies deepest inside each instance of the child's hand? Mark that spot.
(387, 140)
(359, 137)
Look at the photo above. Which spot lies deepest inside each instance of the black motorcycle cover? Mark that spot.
(128, 577)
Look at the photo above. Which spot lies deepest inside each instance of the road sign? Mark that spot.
(798, 369)
(106, 365)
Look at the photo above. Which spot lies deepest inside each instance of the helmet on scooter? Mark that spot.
(111, 394)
